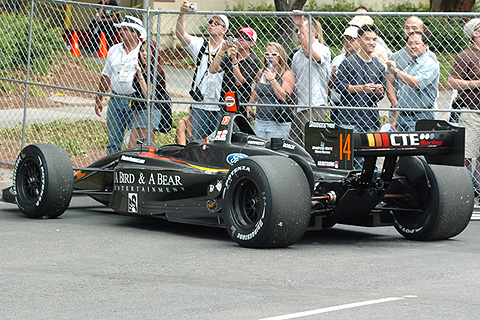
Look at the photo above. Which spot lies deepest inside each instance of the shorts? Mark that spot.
(471, 123)
(141, 118)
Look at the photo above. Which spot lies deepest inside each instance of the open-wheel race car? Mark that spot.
(268, 193)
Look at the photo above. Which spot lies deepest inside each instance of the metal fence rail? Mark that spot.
(47, 88)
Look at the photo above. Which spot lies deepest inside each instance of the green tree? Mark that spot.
(452, 5)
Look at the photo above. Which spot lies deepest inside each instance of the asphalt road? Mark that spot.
(93, 264)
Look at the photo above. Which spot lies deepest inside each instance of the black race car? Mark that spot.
(268, 193)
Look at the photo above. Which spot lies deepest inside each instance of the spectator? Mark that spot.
(240, 65)
(350, 47)
(361, 82)
(139, 129)
(274, 85)
(117, 76)
(403, 58)
(382, 52)
(206, 87)
(314, 84)
(183, 134)
(417, 83)
(104, 21)
(465, 77)
(360, 9)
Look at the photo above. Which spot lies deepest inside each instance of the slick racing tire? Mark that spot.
(447, 204)
(43, 181)
(267, 202)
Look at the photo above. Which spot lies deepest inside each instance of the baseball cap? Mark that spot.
(470, 27)
(249, 32)
(221, 17)
(351, 32)
(360, 21)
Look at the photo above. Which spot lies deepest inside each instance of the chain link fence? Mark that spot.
(52, 61)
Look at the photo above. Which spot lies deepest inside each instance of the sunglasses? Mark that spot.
(216, 23)
(244, 37)
(271, 54)
(348, 39)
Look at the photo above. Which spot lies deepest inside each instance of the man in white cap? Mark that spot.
(239, 64)
(465, 77)
(117, 76)
(350, 46)
(206, 87)
(311, 84)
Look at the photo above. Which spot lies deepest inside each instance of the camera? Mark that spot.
(192, 6)
(196, 94)
(232, 40)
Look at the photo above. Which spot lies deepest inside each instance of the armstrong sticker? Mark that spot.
(327, 164)
(233, 158)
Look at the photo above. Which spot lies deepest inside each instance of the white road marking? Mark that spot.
(336, 308)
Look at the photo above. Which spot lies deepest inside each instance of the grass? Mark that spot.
(78, 137)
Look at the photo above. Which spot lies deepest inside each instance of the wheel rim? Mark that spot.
(411, 219)
(246, 203)
(29, 184)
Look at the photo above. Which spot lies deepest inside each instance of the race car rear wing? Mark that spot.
(333, 146)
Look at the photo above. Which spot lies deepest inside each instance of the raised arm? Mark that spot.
(180, 32)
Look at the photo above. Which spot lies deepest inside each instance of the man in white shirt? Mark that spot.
(117, 76)
(311, 83)
(207, 86)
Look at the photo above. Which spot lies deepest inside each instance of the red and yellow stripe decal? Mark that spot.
(378, 140)
(151, 154)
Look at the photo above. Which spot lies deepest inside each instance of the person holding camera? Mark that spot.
(239, 64)
(275, 84)
(206, 87)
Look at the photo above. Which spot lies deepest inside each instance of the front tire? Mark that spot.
(43, 181)
(447, 204)
(267, 202)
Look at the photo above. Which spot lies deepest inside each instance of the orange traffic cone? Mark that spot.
(75, 48)
(103, 49)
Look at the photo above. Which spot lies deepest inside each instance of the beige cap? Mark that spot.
(470, 27)
(351, 32)
(360, 21)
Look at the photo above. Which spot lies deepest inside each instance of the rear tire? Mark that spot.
(448, 204)
(43, 181)
(267, 202)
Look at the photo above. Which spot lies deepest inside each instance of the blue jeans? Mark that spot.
(407, 122)
(119, 118)
(204, 122)
(272, 129)
(141, 118)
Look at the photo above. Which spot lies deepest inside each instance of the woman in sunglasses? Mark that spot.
(274, 85)
(239, 64)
